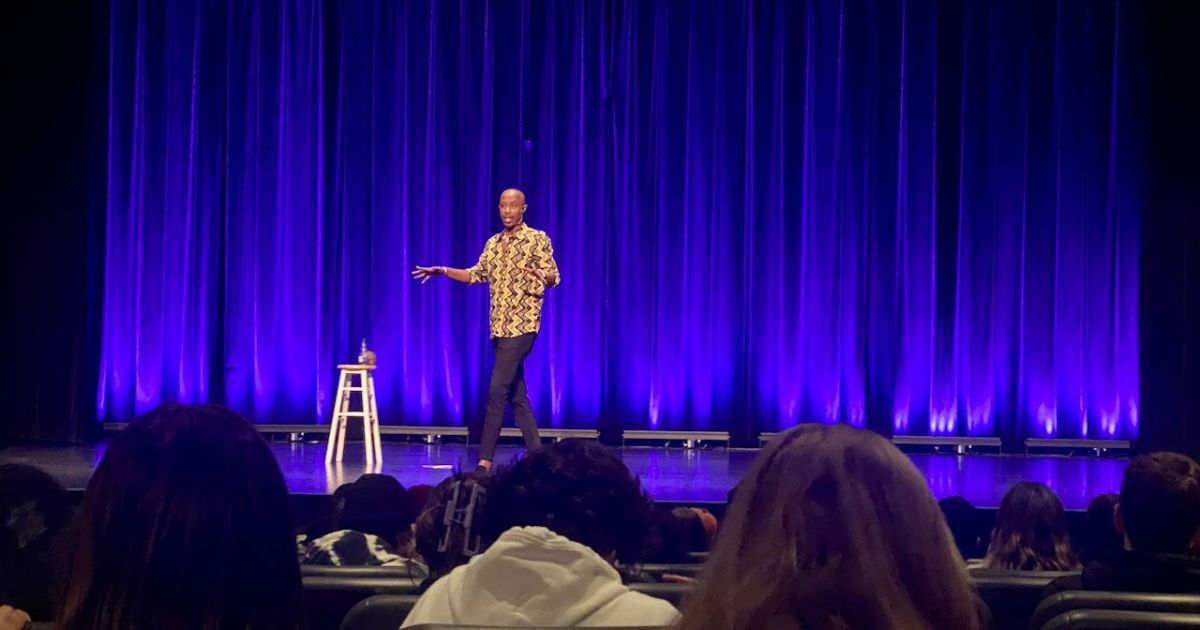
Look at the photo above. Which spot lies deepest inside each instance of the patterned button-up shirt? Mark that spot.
(516, 294)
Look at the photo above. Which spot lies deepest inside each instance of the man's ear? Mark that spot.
(1119, 520)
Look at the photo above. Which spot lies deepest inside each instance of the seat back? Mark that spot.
(441, 626)
(674, 593)
(1108, 600)
(327, 598)
(379, 612)
(1122, 620)
(1012, 595)
(688, 569)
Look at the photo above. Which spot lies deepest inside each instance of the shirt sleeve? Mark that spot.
(543, 256)
(482, 270)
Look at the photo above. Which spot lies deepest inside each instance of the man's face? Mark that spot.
(512, 207)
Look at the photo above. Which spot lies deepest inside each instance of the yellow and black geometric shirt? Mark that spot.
(516, 294)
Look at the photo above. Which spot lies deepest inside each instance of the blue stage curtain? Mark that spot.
(918, 216)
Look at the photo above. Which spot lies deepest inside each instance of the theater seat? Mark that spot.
(379, 612)
(1012, 595)
(327, 598)
(439, 626)
(674, 593)
(1122, 620)
(1106, 600)
(689, 569)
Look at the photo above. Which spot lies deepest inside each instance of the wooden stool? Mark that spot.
(342, 413)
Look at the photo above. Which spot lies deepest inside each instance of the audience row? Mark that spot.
(186, 523)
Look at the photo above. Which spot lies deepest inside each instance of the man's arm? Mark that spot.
(425, 273)
(478, 273)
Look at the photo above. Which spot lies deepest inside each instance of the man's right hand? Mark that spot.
(425, 273)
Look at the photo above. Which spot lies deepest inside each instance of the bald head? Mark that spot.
(512, 208)
(513, 194)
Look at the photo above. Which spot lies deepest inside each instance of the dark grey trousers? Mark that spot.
(508, 386)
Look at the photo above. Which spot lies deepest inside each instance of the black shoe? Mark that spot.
(480, 472)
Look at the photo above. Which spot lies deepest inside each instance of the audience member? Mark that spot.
(833, 527)
(560, 517)
(34, 509)
(374, 528)
(1158, 514)
(1030, 533)
(185, 524)
(711, 525)
(446, 532)
(673, 534)
(1101, 539)
(418, 497)
(966, 525)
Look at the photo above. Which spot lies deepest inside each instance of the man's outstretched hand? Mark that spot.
(425, 273)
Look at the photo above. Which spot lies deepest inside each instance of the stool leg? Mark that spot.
(363, 379)
(374, 417)
(337, 424)
(344, 405)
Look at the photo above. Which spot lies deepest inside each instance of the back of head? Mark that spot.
(833, 527)
(446, 531)
(577, 489)
(1031, 531)
(964, 519)
(34, 508)
(184, 524)
(376, 504)
(668, 538)
(1160, 502)
(1100, 536)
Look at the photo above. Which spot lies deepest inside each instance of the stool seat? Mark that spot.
(369, 412)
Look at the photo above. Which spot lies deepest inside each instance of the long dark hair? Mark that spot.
(833, 527)
(1031, 532)
(184, 524)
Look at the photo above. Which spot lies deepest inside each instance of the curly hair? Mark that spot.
(577, 489)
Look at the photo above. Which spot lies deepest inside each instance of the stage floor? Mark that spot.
(668, 474)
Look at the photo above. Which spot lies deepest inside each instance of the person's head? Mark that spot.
(694, 536)
(964, 521)
(185, 523)
(418, 497)
(446, 531)
(1031, 531)
(1159, 507)
(577, 489)
(832, 527)
(1100, 535)
(376, 504)
(709, 522)
(673, 533)
(512, 207)
(34, 509)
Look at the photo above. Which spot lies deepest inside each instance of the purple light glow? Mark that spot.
(895, 216)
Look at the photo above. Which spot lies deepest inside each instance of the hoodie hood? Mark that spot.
(533, 577)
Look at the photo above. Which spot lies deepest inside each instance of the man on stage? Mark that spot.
(518, 264)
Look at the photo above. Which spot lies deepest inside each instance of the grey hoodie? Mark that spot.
(533, 577)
